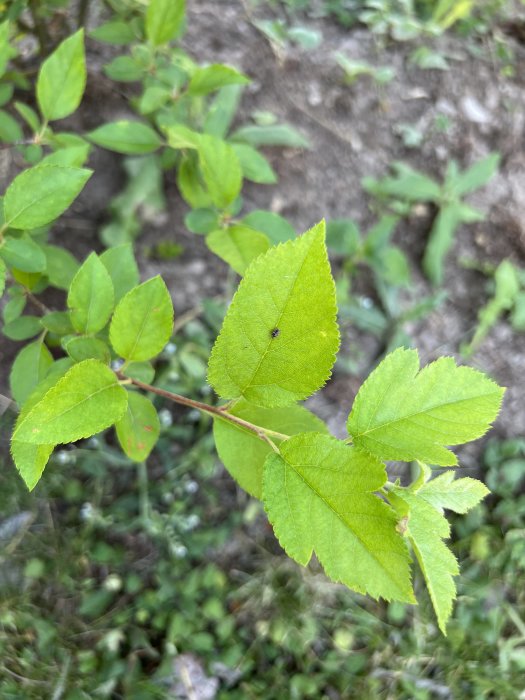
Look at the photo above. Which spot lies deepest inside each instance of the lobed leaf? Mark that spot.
(459, 495)
(425, 528)
(318, 496)
(406, 414)
(279, 338)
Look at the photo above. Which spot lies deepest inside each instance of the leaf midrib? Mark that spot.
(345, 523)
(284, 305)
(61, 415)
(422, 412)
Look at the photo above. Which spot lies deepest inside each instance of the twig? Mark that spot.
(214, 411)
(36, 302)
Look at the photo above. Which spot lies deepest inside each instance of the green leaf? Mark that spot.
(58, 322)
(22, 328)
(124, 69)
(459, 495)
(273, 135)
(120, 262)
(30, 460)
(164, 20)
(190, 185)
(28, 370)
(153, 98)
(72, 156)
(23, 254)
(143, 371)
(408, 184)
(143, 321)
(15, 306)
(342, 237)
(254, 165)
(222, 111)
(221, 170)
(128, 137)
(237, 245)
(86, 400)
(91, 296)
(10, 130)
(40, 194)
(402, 413)
(62, 79)
(274, 226)
(180, 136)
(243, 453)
(29, 116)
(426, 528)
(210, 78)
(279, 338)
(440, 241)
(201, 221)
(318, 494)
(83, 348)
(61, 266)
(507, 289)
(115, 32)
(477, 175)
(139, 428)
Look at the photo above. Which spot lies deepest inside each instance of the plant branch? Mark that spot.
(214, 411)
(36, 302)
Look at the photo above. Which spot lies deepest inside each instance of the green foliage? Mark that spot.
(403, 413)
(356, 69)
(91, 297)
(279, 338)
(40, 194)
(409, 186)
(62, 79)
(86, 400)
(243, 453)
(277, 345)
(143, 321)
(138, 429)
(164, 19)
(508, 296)
(318, 496)
(129, 137)
(284, 309)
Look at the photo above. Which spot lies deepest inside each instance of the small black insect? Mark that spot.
(275, 332)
